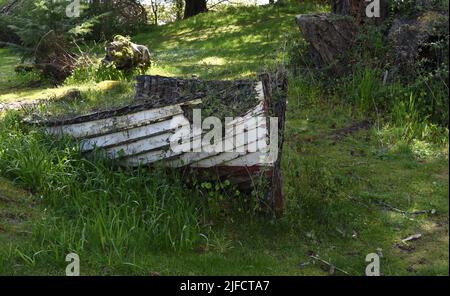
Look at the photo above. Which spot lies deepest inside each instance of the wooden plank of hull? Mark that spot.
(194, 159)
(217, 159)
(140, 135)
(140, 146)
(225, 157)
(130, 135)
(208, 159)
(190, 157)
(246, 120)
(149, 157)
(117, 123)
(251, 159)
(113, 124)
(259, 110)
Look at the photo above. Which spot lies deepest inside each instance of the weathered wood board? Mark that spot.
(140, 135)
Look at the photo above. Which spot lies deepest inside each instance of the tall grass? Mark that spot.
(94, 206)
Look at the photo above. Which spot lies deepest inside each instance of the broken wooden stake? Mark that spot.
(412, 238)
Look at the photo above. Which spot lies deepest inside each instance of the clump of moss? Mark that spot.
(127, 55)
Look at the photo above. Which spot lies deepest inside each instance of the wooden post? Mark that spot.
(275, 92)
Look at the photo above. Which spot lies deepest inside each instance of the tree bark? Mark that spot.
(357, 9)
(155, 7)
(179, 5)
(329, 37)
(194, 7)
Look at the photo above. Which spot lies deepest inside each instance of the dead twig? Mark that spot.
(394, 209)
(332, 267)
(406, 213)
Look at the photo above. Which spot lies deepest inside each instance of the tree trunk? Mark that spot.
(357, 8)
(194, 7)
(179, 5)
(329, 38)
(155, 6)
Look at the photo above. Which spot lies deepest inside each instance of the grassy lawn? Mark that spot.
(247, 39)
(335, 192)
(15, 87)
(226, 45)
(9, 60)
(350, 191)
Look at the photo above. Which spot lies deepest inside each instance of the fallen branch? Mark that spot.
(412, 238)
(394, 209)
(432, 211)
(388, 206)
(329, 264)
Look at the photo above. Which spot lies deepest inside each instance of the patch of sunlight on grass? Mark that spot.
(108, 84)
(7, 62)
(162, 70)
(73, 100)
(246, 38)
(429, 226)
(207, 33)
(215, 61)
(94, 97)
(39, 94)
(422, 149)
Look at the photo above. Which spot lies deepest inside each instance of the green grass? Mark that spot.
(9, 60)
(16, 88)
(146, 221)
(16, 209)
(333, 192)
(234, 43)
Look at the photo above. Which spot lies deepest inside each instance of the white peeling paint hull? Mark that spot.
(140, 136)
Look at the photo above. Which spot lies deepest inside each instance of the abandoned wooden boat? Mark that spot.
(143, 133)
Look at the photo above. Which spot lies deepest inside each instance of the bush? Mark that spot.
(87, 70)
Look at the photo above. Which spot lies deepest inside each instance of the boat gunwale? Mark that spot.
(118, 111)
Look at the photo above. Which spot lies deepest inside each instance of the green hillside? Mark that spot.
(352, 187)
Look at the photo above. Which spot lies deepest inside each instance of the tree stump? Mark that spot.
(329, 37)
(357, 9)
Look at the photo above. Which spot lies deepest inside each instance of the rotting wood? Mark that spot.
(329, 37)
(138, 134)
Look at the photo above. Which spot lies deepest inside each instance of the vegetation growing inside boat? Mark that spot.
(221, 98)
